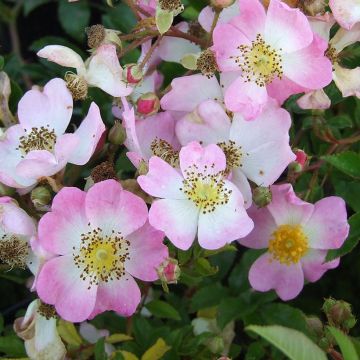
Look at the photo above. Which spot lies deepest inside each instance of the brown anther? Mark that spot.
(46, 310)
(95, 35)
(165, 151)
(171, 5)
(103, 171)
(77, 86)
(14, 251)
(206, 63)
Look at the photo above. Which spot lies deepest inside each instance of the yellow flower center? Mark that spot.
(332, 54)
(259, 62)
(207, 191)
(102, 257)
(288, 244)
(37, 139)
(232, 153)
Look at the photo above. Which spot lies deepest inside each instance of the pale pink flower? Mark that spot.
(297, 236)
(314, 100)
(256, 150)
(37, 146)
(197, 200)
(91, 334)
(346, 12)
(144, 137)
(271, 54)
(101, 70)
(103, 240)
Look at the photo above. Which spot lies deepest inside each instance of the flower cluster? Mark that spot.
(210, 154)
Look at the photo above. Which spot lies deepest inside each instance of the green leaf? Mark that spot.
(12, 346)
(346, 346)
(350, 242)
(162, 309)
(340, 122)
(1, 323)
(30, 5)
(208, 296)
(347, 162)
(68, 332)
(116, 338)
(231, 309)
(119, 18)
(292, 343)
(156, 351)
(350, 192)
(74, 18)
(99, 350)
(2, 62)
(164, 20)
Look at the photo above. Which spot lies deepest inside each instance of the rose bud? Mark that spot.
(132, 74)
(148, 104)
(262, 196)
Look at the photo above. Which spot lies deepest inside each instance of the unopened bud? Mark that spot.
(315, 325)
(300, 161)
(262, 196)
(117, 134)
(339, 314)
(169, 271)
(148, 104)
(41, 197)
(221, 4)
(312, 7)
(132, 74)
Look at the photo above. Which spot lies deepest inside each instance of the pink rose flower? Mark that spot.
(37, 146)
(346, 12)
(103, 240)
(198, 200)
(297, 236)
(271, 54)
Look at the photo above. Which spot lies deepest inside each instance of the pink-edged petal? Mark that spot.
(322, 24)
(327, 227)
(15, 220)
(60, 230)
(287, 208)
(51, 108)
(239, 179)
(226, 39)
(174, 49)
(63, 56)
(314, 265)
(347, 80)
(346, 12)
(178, 219)
(309, 67)
(162, 180)
(105, 72)
(209, 124)
(122, 296)
(266, 274)
(110, 207)
(264, 226)
(281, 89)
(209, 159)
(206, 16)
(59, 284)
(251, 18)
(286, 28)
(246, 97)
(38, 163)
(65, 147)
(343, 38)
(189, 91)
(314, 100)
(135, 158)
(226, 223)
(146, 253)
(89, 133)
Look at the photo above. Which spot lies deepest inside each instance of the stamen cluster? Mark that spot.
(38, 139)
(14, 251)
(165, 151)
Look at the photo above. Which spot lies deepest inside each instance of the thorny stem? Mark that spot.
(134, 45)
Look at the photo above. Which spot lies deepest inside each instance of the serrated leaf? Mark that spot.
(292, 343)
(68, 333)
(74, 18)
(346, 346)
(116, 338)
(162, 309)
(156, 351)
(347, 162)
(163, 20)
(350, 242)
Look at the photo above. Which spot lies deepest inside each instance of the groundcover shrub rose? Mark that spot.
(179, 179)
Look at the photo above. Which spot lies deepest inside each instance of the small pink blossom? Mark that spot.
(271, 54)
(103, 240)
(197, 200)
(37, 146)
(346, 12)
(297, 236)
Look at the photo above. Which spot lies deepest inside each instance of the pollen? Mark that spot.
(288, 244)
(165, 151)
(206, 63)
(332, 55)
(232, 153)
(259, 62)
(42, 138)
(171, 5)
(205, 189)
(14, 251)
(47, 311)
(101, 257)
(77, 86)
